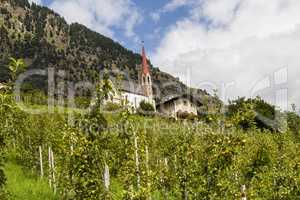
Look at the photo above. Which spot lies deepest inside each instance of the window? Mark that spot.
(185, 102)
(144, 80)
(148, 79)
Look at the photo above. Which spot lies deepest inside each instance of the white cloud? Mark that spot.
(174, 4)
(101, 15)
(171, 6)
(219, 11)
(257, 39)
(155, 16)
(35, 1)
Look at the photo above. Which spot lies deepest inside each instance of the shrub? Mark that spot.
(112, 107)
(82, 102)
(146, 107)
(186, 115)
(249, 112)
(242, 114)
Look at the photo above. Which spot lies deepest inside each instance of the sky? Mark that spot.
(239, 47)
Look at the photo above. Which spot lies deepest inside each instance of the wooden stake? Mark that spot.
(185, 186)
(50, 167)
(166, 167)
(166, 163)
(41, 161)
(148, 169)
(243, 191)
(106, 177)
(72, 149)
(175, 163)
(53, 171)
(147, 159)
(137, 163)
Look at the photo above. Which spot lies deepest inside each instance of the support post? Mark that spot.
(53, 171)
(50, 167)
(41, 161)
(137, 163)
(243, 192)
(106, 177)
(148, 170)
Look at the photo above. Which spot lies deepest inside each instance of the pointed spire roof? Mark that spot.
(144, 61)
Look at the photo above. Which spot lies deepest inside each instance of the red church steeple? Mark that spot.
(144, 62)
(145, 76)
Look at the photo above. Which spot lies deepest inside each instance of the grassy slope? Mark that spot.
(21, 186)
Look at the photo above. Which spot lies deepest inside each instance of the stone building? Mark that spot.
(177, 104)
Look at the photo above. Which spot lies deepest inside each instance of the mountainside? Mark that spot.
(44, 39)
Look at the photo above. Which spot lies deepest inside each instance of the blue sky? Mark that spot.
(228, 45)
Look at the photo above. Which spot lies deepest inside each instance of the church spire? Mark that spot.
(145, 76)
(144, 61)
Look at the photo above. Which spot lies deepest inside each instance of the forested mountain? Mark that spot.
(44, 39)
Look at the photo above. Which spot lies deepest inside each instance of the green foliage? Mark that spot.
(110, 107)
(265, 114)
(293, 121)
(81, 172)
(82, 102)
(184, 160)
(5, 106)
(186, 115)
(242, 113)
(16, 66)
(105, 90)
(256, 112)
(146, 107)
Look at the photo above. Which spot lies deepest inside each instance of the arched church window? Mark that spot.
(149, 79)
(144, 79)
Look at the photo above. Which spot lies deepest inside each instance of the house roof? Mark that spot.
(193, 98)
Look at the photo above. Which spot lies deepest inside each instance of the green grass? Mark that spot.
(22, 186)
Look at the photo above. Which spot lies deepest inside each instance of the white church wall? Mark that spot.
(134, 99)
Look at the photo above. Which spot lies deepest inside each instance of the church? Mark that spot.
(134, 93)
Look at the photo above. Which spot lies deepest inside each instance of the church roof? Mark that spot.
(144, 62)
(131, 87)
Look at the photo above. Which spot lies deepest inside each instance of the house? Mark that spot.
(134, 93)
(179, 104)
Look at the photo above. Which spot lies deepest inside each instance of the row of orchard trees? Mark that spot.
(125, 156)
(143, 158)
